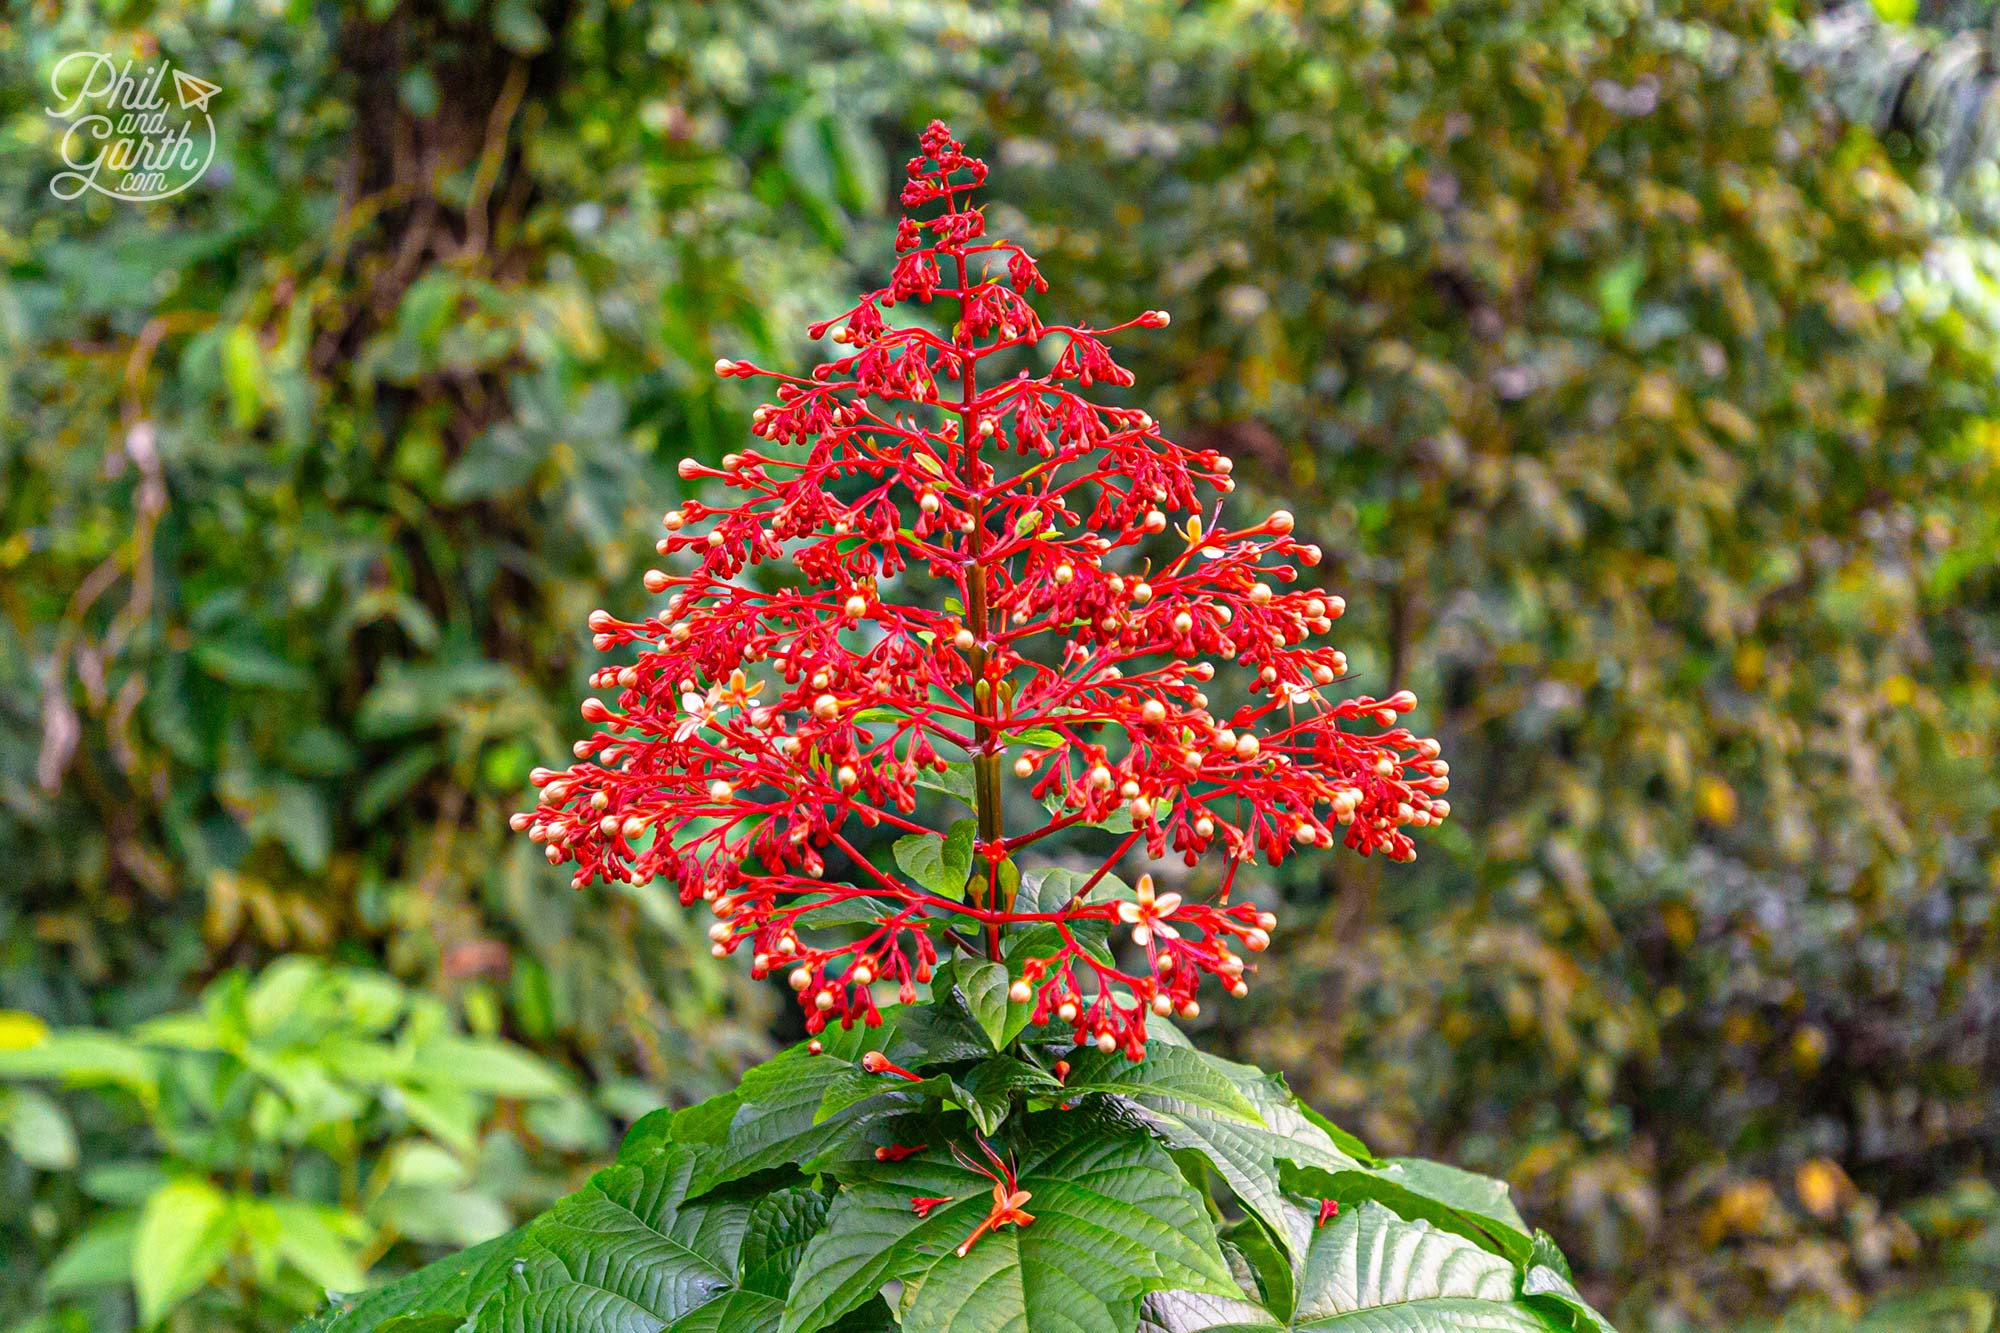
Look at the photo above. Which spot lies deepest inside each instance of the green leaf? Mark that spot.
(987, 1092)
(424, 1301)
(1246, 1155)
(1547, 1284)
(497, 1068)
(37, 1129)
(1346, 1142)
(984, 987)
(781, 1225)
(777, 1123)
(956, 781)
(938, 1033)
(1273, 1279)
(1370, 1271)
(856, 1085)
(1176, 1072)
(631, 1250)
(84, 1057)
(182, 1239)
(847, 912)
(1049, 889)
(1476, 1207)
(322, 1243)
(98, 1256)
(1114, 1219)
(940, 864)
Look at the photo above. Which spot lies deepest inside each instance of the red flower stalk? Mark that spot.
(1092, 592)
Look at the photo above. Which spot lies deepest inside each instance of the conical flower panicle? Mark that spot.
(751, 727)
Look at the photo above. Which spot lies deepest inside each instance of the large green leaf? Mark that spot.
(1370, 1271)
(1245, 1153)
(631, 1251)
(1177, 1072)
(1114, 1220)
(1474, 1206)
(987, 1091)
(775, 1120)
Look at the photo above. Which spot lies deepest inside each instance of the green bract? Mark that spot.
(1177, 1194)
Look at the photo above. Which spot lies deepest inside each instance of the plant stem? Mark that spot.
(986, 746)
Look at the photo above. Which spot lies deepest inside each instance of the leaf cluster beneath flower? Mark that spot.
(937, 1175)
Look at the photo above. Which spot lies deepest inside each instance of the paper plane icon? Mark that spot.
(193, 92)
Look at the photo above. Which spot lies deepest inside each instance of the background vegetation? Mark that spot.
(1635, 363)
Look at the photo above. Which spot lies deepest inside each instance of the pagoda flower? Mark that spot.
(1147, 914)
(1109, 550)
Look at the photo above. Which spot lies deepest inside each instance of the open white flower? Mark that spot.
(1147, 914)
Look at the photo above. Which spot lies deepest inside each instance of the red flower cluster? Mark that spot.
(1000, 574)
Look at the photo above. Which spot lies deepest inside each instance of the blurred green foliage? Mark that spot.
(275, 1142)
(1646, 408)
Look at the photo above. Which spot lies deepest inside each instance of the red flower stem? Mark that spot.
(1100, 872)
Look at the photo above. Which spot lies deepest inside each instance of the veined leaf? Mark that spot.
(941, 864)
(987, 1092)
(1175, 1072)
(1247, 1157)
(984, 987)
(1476, 1207)
(630, 1251)
(956, 781)
(1369, 1271)
(1114, 1220)
(777, 1122)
